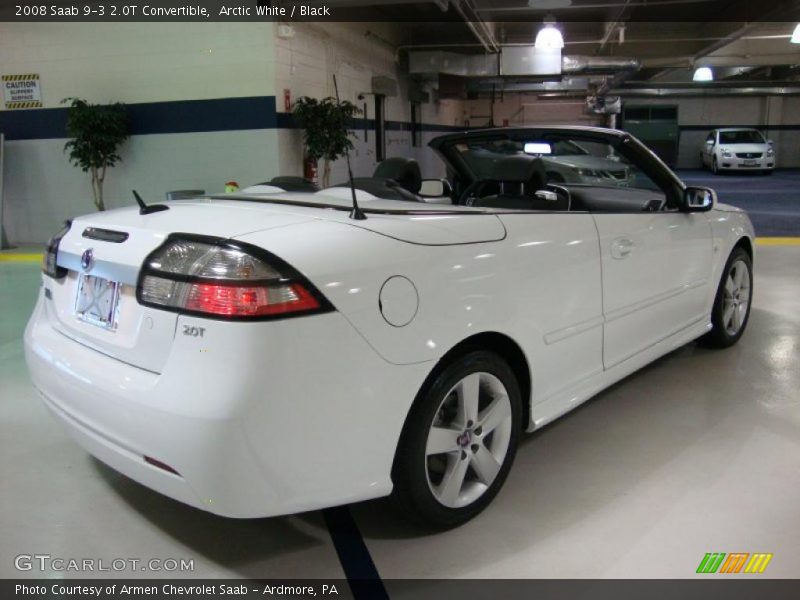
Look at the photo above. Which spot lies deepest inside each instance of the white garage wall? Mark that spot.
(144, 63)
(135, 63)
(354, 52)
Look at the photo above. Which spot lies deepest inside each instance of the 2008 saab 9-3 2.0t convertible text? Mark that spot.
(274, 351)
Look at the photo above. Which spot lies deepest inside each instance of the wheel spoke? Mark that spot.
(485, 465)
(738, 276)
(737, 317)
(497, 412)
(730, 285)
(727, 315)
(453, 480)
(468, 395)
(441, 440)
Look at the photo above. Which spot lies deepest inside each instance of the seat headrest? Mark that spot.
(404, 171)
(294, 184)
(514, 169)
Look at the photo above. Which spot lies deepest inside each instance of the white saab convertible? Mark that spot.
(277, 351)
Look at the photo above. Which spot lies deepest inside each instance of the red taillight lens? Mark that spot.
(249, 301)
(50, 258)
(213, 277)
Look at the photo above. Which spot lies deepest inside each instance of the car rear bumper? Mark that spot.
(257, 419)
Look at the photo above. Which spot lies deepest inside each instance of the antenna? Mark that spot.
(146, 210)
(356, 213)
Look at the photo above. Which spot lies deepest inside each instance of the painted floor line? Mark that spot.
(11, 257)
(778, 241)
(362, 575)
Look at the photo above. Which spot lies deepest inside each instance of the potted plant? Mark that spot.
(325, 123)
(97, 131)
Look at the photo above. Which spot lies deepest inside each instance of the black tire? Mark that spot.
(412, 467)
(721, 335)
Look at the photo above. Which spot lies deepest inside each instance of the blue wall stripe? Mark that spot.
(219, 114)
(182, 116)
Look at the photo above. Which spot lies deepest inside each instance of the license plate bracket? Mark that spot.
(96, 301)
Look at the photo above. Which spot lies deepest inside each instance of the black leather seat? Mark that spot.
(292, 184)
(519, 178)
(404, 171)
(394, 179)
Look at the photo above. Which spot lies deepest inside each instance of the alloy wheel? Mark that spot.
(468, 440)
(736, 299)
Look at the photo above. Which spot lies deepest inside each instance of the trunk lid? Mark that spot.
(140, 336)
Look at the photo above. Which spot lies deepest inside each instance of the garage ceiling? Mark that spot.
(745, 40)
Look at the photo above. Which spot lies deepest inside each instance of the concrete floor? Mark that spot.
(772, 201)
(700, 452)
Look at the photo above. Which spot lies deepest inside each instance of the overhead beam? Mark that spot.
(479, 28)
(740, 60)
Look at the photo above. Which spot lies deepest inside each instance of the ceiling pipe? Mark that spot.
(479, 28)
(708, 91)
(644, 3)
(628, 42)
(612, 25)
(600, 65)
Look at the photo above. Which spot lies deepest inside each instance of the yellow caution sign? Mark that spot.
(22, 91)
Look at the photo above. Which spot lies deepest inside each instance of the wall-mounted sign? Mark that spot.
(22, 91)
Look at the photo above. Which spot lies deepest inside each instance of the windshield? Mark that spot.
(741, 136)
(564, 160)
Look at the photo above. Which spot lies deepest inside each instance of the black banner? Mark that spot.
(715, 587)
(398, 11)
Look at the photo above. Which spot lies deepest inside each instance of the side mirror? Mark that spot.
(436, 188)
(699, 199)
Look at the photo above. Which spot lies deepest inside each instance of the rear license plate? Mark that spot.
(750, 163)
(96, 301)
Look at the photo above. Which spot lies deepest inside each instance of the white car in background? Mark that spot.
(738, 149)
(270, 353)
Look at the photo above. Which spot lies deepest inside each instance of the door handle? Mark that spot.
(621, 247)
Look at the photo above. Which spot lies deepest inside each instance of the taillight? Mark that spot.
(50, 258)
(213, 277)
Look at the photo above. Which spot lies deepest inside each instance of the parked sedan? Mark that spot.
(738, 149)
(270, 353)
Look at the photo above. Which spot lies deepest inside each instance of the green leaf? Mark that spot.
(325, 125)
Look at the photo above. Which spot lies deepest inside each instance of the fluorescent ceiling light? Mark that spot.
(796, 35)
(703, 74)
(549, 37)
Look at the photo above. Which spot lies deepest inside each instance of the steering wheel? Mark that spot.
(472, 191)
